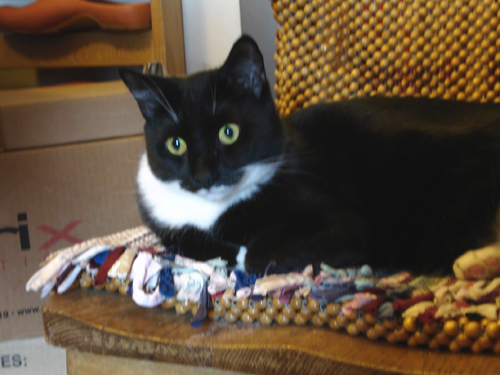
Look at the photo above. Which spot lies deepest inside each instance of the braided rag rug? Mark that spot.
(438, 312)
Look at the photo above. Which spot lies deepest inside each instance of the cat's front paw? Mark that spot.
(255, 262)
(481, 263)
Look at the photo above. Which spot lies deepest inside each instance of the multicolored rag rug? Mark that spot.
(438, 312)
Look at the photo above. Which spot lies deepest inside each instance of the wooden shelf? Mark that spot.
(163, 43)
(90, 49)
(87, 321)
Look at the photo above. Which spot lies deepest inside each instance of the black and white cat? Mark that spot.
(396, 183)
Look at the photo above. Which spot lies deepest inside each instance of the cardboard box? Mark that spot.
(31, 356)
(51, 198)
(45, 116)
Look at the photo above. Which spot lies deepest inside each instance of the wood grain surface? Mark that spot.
(110, 324)
(168, 35)
(91, 49)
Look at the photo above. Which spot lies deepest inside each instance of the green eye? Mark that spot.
(229, 133)
(176, 146)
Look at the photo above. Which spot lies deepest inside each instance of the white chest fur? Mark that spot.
(175, 207)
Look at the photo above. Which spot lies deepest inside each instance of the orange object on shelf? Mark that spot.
(51, 16)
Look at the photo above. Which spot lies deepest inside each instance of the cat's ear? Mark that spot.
(244, 67)
(149, 93)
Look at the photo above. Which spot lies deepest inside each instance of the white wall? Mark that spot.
(210, 29)
(257, 21)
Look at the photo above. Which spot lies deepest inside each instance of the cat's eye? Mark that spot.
(229, 133)
(176, 145)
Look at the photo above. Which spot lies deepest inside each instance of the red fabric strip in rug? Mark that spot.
(150, 250)
(112, 257)
(401, 305)
(64, 274)
(372, 307)
(428, 316)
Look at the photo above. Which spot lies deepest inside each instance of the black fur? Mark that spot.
(400, 183)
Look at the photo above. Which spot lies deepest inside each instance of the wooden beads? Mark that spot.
(472, 330)
(169, 303)
(112, 285)
(123, 288)
(493, 330)
(85, 280)
(410, 324)
(451, 328)
(454, 334)
(182, 307)
(335, 50)
(461, 334)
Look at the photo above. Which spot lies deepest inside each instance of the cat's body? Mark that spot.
(399, 183)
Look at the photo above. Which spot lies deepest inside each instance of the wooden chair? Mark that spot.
(329, 50)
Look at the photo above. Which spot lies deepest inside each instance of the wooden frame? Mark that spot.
(164, 42)
(168, 35)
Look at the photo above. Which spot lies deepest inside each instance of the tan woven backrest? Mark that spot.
(339, 49)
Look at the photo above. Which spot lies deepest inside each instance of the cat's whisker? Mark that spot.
(213, 92)
(291, 164)
(286, 159)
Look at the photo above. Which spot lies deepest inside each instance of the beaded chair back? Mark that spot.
(340, 49)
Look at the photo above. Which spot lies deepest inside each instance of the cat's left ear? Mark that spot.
(244, 67)
(146, 90)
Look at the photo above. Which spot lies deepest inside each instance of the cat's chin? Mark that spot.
(216, 193)
(168, 204)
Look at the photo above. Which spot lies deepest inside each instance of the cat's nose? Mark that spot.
(202, 174)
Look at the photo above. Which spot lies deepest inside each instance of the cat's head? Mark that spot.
(206, 129)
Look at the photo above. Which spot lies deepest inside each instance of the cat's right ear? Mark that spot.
(244, 67)
(148, 93)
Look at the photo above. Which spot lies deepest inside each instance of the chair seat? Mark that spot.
(114, 327)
